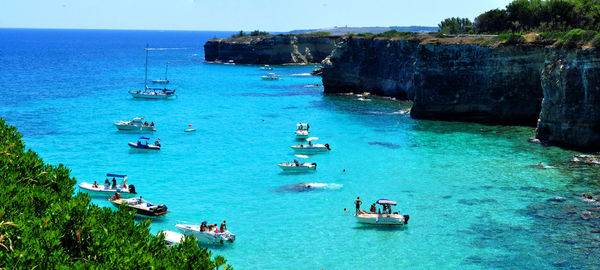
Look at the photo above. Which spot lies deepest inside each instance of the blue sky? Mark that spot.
(234, 15)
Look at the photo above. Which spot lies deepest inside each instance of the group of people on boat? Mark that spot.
(212, 228)
(148, 125)
(301, 126)
(164, 92)
(107, 184)
(387, 209)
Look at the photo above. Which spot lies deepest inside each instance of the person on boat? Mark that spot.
(309, 142)
(95, 185)
(157, 143)
(358, 202)
(203, 226)
(116, 196)
(296, 163)
(106, 183)
(145, 124)
(114, 183)
(164, 90)
(307, 126)
(139, 143)
(384, 208)
(373, 209)
(223, 226)
(152, 124)
(540, 165)
(389, 209)
(139, 201)
(300, 127)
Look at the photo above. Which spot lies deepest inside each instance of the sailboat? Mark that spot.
(165, 81)
(151, 93)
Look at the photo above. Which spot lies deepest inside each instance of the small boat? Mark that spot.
(310, 148)
(270, 77)
(266, 67)
(142, 207)
(107, 189)
(189, 129)
(171, 238)
(145, 145)
(165, 81)
(298, 167)
(135, 125)
(206, 237)
(386, 218)
(230, 62)
(302, 130)
(151, 93)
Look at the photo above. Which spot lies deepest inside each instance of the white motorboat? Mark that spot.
(145, 145)
(171, 238)
(165, 81)
(266, 67)
(310, 148)
(206, 236)
(270, 77)
(385, 218)
(107, 189)
(302, 130)
(135, 125)
(151, 93)
(298, 167)
(142, 207)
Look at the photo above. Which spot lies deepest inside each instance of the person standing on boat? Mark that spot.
(223, 226)
(114, 183)
(307, 126)
(358, 202)
(106, 183)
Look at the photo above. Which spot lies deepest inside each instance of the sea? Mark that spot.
(475, 196)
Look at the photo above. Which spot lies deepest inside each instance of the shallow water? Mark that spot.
(473, 197)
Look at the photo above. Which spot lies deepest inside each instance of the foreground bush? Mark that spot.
(43, 226)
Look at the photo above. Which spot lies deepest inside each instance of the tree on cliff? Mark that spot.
(43, 226)
(455, 26)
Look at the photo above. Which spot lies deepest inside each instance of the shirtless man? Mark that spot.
(358, 202)
(223, 226)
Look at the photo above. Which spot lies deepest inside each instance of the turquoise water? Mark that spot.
(473, 198)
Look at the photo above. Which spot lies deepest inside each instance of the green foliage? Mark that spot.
(541, 16)
(507, 38)
(252, 34)
(575, 38)
(455, 26)
(320, 33)
(43, 226)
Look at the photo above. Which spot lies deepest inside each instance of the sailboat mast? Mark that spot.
(166, 70)
(146, 72)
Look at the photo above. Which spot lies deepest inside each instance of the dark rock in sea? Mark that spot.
(386, 144)
(557, 199)
(270, 49)
(317, 72)
(589, 215)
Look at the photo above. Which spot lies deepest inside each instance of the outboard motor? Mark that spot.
(327, 146)
(161, 208)
(406, 217)
(132, 189)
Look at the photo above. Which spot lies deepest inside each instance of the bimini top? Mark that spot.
(144, 138)
(386, 201)
(116, 175)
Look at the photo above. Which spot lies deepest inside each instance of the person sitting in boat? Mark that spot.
(152, 124)
(373, 209)
(106, 183)
(307, 126)
(223, 226)
(145, 124)
(114, 183)
(95, 185)
(140, 200)
(300, 127)
(164, 90)
(309, 142)
(139, 143)
(116, 196)
(296, 163)
(203, 227)
(157, 143)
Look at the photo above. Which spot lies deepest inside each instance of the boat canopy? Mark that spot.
(144, 138)
(116, 175)
(138, 118)
(386, 201)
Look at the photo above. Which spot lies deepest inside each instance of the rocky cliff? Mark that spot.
(270, 49)
(500, 84)
(570, 113)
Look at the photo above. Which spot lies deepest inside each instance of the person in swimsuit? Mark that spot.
(358, 202)
(223, 226)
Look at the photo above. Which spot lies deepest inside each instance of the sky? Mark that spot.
(234, 15)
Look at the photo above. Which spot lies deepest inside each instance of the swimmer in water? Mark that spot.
(540, 165)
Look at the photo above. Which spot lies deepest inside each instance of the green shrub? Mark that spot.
(575, 38)
(43, 226)
(320, 33)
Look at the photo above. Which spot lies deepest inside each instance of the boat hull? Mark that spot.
(301, 168)
(374, 219)
(148, 96)
(206, 237)
(143, 146)
(102, 191)
(318, 148)
(126, 127)
(301, 134)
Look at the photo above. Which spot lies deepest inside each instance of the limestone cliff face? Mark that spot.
(487, 84)
(272, 49)
(570, 113)
(379, 66)
(499, 85)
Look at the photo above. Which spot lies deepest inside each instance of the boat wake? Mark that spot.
(302, 187)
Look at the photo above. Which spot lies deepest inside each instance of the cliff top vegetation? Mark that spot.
(43, 226)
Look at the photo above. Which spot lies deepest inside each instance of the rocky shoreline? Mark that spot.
(556, 90)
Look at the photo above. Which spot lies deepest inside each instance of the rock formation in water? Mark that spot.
(500, 84)
(270, 49)
(570, 113)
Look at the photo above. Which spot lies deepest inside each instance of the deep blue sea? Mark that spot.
(474, 199)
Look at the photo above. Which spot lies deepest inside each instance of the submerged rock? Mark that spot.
(557, 199)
